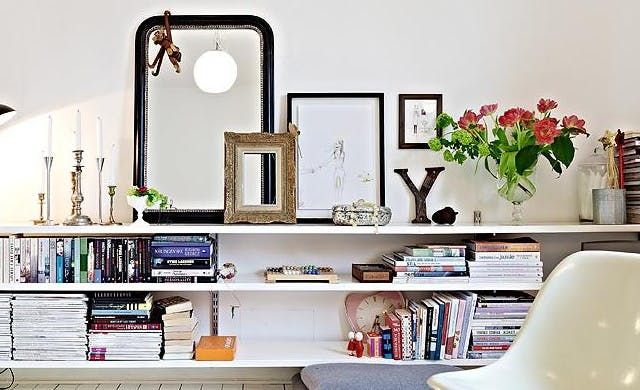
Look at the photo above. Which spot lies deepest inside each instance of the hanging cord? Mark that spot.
(13, 379)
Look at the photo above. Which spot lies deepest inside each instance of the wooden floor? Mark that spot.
(150, 386)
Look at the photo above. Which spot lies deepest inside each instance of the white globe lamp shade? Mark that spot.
(215, 71)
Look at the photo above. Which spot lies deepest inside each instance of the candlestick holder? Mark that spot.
(100, 164)
(77, 218)
(40, 220)
(112, 193)
(48, 162)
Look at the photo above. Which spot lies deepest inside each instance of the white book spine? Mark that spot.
(52, 261)
(467, 339)
(43, 252)
(91, 262)
(181, 272)
(519, 256)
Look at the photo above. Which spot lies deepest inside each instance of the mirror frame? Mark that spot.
(140, 106)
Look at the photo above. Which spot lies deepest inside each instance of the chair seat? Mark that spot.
(357, 376)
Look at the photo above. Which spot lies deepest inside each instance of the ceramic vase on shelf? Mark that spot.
(517, 189)
(139, 203)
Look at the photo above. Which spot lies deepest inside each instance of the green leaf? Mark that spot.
(562, 148)
(526, 158)
(553, 162)
(507, 165)
(502, 137)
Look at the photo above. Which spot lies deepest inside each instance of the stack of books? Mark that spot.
(631, 157)
(428, 264)
(504, 261)
(5, 327)
(121, 327)
(183, 259)
(179, 326)
(430, 329)
(49, 326)
(100, 260)
(496, 322)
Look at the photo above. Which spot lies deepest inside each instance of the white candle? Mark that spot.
(112, 171)
(50, 138)
(99, 136)
(78, 131)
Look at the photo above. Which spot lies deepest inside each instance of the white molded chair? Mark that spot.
(582, 332)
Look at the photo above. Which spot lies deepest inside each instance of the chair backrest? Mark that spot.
(585, 320)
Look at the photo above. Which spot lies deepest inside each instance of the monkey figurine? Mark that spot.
(162, 37)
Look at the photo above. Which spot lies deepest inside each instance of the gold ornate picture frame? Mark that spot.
(241, 178)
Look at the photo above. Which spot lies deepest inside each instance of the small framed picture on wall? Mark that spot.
(417, 119)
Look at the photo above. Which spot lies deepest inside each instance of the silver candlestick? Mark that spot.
(100, 164)
(48, 162)
(77, 218)
(112, 193)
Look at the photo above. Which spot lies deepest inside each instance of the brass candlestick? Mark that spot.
(77, 218)
(112, 193)
(40, 221)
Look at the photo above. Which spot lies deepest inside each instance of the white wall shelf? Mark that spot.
(398, 229)
(252, 354)
(256, 285)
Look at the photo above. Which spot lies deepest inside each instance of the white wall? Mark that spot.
(62, 55)
(58, 56)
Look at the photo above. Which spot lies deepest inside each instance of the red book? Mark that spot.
(97, 357)
(445, 326)
(393, 322)
(150, 326)
(499, 347)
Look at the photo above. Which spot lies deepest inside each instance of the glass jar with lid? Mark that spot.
(592, 174)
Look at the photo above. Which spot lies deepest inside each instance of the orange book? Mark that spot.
(216, 348)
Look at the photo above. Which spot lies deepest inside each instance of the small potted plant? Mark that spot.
(143, 198)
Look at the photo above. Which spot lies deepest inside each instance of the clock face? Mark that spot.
(362, 309)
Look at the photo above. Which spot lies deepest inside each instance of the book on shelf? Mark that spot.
(436, 250)
(387, 349)
(521, 244)
(173, 304)
(500, 256)
(216, 348)
(393, 322)
(104, 260)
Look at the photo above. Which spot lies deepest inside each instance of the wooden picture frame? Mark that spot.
(416, 122)
(280, 149)
(341, 141)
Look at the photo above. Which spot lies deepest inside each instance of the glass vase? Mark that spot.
(517, 189)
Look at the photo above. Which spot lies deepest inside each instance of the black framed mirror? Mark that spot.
(179, 128)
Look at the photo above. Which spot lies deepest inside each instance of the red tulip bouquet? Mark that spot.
(519, 138)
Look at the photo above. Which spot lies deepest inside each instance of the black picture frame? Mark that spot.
(140, 112)
(357, 95)
(402, 99)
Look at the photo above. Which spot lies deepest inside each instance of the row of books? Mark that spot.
(495, 324)
(5, 327)
(49, 326)
(451, 325)
(132, 326)
(108, 260)
(505, 260)
(631, 170)
(428, 264)
(121, 327)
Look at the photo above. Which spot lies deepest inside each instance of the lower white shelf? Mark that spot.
(256, 283)
(252, 354)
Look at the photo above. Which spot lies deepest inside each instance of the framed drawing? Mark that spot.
(417, 119)
(341, 150)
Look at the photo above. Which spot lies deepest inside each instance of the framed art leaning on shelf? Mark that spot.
(341, 150)
(244, 174)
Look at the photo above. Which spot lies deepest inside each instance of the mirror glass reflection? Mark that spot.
(185, 128)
